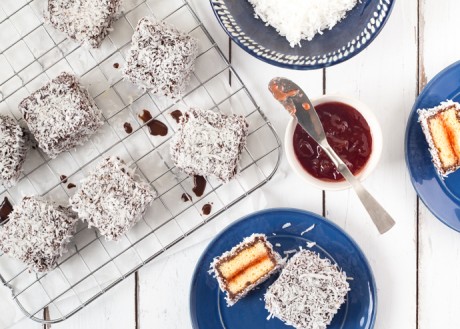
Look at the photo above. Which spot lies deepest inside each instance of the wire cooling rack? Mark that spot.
(32, 53)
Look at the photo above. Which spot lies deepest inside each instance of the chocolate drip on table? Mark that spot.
(176, 114)
(5, 209)
(71, 185)
(186, 197)
(206, 209)
(200, 185)
(116, 65)
(63, 179)
(156, 127)
(128, 128)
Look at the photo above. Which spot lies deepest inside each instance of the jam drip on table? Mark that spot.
(156, 127)
(347, 132)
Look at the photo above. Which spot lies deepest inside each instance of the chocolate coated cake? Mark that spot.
(61, 115)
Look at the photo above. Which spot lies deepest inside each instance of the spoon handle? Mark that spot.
(382, 220)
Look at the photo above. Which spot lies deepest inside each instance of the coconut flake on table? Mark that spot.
(299, 20)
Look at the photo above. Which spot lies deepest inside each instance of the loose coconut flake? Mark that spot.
(308, 292)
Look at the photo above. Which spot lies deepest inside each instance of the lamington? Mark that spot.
(13, 150)
(245, 266)
(209, 143)
(37, 233)
(441, 126)
(111, 198)
(61, 115)
(86, 21)
(308, 293)
(161, 58)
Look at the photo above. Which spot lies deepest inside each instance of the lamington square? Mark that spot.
(37, 233)
(61, 115)
(245, 266)
(209, 143)
(111, 198)
(161, 58)
(441, 126)
(13, 150)
(308, 293)
(86, 21)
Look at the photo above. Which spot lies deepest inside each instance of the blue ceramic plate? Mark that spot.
(442, 197)
(346, 39)
(207, 303)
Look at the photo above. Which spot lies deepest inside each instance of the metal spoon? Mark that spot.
(294, 99)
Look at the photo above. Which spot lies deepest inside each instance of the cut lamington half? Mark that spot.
(86, 21)
(441, 126)
(61, 115)
(13, 150)
(245, 266)
(112, 198)
(308, 293)
(37, 233)
(209, 143)
(161, 58)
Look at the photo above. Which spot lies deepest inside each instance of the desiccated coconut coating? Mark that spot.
(13, 150)
(87, 21)
(209, 143)
(308, 292)
(37, 233)
(61, 115)
(161, 58)
(110, 199)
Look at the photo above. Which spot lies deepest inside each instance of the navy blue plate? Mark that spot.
(207, 303)
(442, 197)
(348, 38)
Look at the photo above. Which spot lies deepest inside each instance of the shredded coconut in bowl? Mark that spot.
(299, 20)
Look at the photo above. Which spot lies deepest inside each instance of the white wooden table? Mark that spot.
(415, 264)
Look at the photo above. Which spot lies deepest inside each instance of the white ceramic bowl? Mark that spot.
(371, 164)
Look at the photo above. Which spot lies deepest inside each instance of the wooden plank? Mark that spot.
(383, 77)
(439, 246)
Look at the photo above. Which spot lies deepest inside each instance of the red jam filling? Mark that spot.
(347, 132)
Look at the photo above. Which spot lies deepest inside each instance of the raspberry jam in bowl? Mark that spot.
(353, 132)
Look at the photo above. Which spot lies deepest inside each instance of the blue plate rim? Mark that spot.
(425, 90)
(295, 210)
(305, 67)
